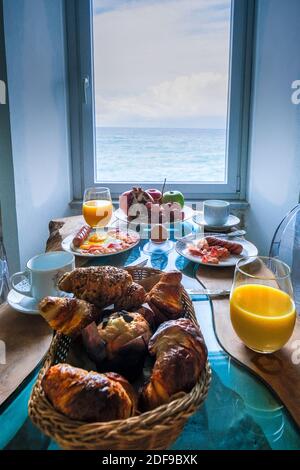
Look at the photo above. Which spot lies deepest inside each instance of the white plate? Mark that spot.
(67, 245)
(231, 222)
(188, 214)
(248, 250)
(25, 304)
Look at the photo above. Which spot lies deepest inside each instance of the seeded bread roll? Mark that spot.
(103, 286)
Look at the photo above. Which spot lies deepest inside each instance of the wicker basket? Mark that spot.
(156, 429)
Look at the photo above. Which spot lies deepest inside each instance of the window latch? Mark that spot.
(2, 92)
(86, 86)
(238, 184)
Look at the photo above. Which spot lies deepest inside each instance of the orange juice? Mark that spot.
(263, 317)
(97, 213)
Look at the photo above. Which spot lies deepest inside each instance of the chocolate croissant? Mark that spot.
(165, 298)
(67, 315)
(103, 286)
(119, 343)
(89, 396)
(181, 356)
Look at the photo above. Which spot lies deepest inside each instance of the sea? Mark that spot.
(152, 154)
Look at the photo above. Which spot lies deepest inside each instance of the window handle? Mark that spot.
(2, 92)
(86, 86)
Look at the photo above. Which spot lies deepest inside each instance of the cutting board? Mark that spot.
(24, 341)
(280, 370)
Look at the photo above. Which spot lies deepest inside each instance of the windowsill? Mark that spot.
(235, 205)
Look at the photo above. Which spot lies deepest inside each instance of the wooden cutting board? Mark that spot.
(24, 341)
(280, 370)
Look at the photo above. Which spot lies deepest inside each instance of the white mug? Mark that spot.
(42, 273)
(216, 212)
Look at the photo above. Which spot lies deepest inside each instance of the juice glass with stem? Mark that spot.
(262, 309)
(97, 207)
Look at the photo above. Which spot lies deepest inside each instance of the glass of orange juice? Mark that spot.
(262, 309)
(97, 207)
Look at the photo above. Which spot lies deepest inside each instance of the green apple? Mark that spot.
(173, 196)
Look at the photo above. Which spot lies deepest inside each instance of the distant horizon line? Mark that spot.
(179, 128)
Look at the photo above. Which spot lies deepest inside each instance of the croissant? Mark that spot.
(181, 356)
(119, 343)
(67, 315)
(165, 298)
(103, 286)
(89, 396)
(133, 297)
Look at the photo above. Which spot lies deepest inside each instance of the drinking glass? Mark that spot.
(262, 309)
(97, 207)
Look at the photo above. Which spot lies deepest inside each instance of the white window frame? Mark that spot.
(79, 44)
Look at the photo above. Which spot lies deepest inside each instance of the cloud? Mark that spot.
(187, 96)
(161, 61)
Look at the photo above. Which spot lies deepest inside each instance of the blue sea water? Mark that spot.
(151, 154)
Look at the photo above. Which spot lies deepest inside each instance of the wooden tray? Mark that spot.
(277, 370)
(26, 340)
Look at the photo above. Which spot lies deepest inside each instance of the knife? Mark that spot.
(213, 293)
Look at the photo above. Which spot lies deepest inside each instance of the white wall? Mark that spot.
(274, 173)
(7, 190)
(35, 48)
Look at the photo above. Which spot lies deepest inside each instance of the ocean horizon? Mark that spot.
(153, 153)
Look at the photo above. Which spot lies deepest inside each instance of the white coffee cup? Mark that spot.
(42, 273)
(216, 212)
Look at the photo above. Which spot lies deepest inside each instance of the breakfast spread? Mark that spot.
(114, 240)
(119, 326)
(213, 250)
(152, 205)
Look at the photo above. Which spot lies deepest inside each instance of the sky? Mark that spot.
(161, 63)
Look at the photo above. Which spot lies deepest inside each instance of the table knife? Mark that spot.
(210, 292)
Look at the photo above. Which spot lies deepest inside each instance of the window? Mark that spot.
(163, 91)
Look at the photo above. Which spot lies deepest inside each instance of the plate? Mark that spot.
(231, 222)
(23, 303)
(188, 214)
(67, 245)
(248, 250)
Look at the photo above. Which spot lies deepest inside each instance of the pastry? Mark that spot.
(165, 298)
(103, 286)
(181, 355)
(67, 315)
(89, 396)
(119, 343)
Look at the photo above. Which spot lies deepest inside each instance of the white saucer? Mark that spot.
(22, 303)
(25, 304)
(231, 222)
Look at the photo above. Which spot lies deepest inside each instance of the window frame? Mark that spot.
(79, 47)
